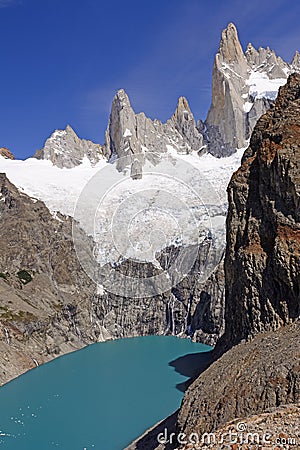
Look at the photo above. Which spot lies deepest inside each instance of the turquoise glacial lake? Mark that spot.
(99, 398)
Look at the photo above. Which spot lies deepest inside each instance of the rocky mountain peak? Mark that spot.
(5, 153)
(251, 53)
(120, 136)
(296, 60)
(131, 138)
(69, 130)
(184, 122)
(244, 86)
(65, 149)
(289, 93)
(230, 49)
(183, 108)
(121, 98)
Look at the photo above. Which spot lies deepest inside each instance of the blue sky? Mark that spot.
(63, 60)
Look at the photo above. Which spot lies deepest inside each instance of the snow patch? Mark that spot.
(247, 106)
(127, 133)
(261, 86)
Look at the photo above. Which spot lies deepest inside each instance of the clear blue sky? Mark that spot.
(62, 60)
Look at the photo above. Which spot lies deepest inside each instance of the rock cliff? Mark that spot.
(249, 379)
(44, 294)
(262, 281)
(263, 224)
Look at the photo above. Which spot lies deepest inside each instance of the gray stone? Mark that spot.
(65, 149)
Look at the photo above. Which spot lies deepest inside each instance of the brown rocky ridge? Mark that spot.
(6, 153)
(262, 264)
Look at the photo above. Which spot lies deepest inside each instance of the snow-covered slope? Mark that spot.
(174, 202)
(261, 86)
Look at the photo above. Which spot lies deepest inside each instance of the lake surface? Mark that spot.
(99, 398)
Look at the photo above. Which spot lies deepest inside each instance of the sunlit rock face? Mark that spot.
(244, 86)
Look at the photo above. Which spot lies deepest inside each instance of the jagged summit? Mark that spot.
(244, 86)
(296, 60)
(182, 107)
(122, 97)
(230, 49)
(132, 138)
(289, 93)
(65, 149)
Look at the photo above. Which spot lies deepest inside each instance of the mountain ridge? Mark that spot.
(244, 86)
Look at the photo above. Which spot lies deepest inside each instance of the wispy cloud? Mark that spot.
(7, 3)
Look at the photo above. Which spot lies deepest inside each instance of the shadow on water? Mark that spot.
(191, 366)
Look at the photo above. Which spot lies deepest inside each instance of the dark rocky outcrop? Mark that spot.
(262, 263)
(262, 280)
(249, 379)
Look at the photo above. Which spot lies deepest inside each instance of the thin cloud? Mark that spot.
(7, 3)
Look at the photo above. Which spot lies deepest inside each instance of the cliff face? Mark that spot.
(44, 294)
(262, 263)
(249, 379)
(262, 281)
(193, 307)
